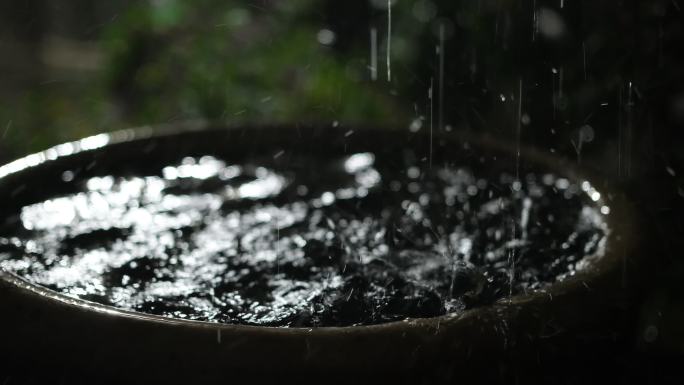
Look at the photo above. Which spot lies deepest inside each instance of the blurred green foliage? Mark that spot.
(217, 60)
(213, 60)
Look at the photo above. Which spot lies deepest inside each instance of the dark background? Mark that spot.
(600, 82)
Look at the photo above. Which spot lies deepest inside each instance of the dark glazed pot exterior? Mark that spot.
(41, 328)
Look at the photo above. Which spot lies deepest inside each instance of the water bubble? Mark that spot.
(551, 24)
(358, 162)
(414, 187)
(68, 176)
(325, 36)
(413, 172)
(595, 195)
(327, 198)
(650, 333)
(416, 124)
(562, 183)
(525, 119)
(302, 190)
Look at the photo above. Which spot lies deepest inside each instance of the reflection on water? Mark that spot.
(350, 241)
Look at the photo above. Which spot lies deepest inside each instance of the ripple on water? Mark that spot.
(354, 241)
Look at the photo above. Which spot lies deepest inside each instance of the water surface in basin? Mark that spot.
(359, 239)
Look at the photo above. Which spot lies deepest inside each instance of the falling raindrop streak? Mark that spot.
(584, 59)
(517, 184)
(431, 119)
(441, 77)
(628, 148)
(389, 40)
(373, 54)
(560, 85)
(554, 100)
(620, 135)
(517, 132)
(535, 24)
(7, 128)
(277, 246)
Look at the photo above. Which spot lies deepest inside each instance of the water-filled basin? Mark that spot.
(61, 325)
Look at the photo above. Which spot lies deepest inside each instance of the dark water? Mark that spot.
(353, 240)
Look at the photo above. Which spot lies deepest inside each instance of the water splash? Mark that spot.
(190, 242)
